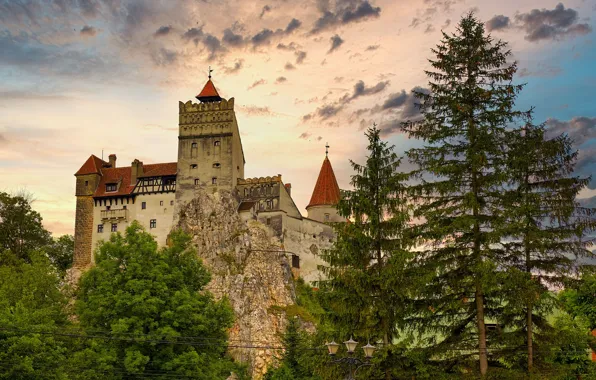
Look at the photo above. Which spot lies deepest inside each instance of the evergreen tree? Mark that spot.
(365, 287)
(546, 227)
(458, 198)
(154, 307)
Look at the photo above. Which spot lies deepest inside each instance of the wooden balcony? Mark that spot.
(114, 214)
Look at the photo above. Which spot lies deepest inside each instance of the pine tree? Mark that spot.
(458, 198)
(363, 290)
(546, 226)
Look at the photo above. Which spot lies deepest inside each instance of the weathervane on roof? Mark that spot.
(210, 71)
(326, 149)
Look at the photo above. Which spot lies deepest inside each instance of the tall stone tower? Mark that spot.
(88, 178)
(325, 196)
(210, 154)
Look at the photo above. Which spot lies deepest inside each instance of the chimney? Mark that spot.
(136, 171)
(112, 160)
(289, 188)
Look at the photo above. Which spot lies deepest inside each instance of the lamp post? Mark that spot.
(353, 363)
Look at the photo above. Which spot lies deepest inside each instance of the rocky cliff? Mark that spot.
(249, 268)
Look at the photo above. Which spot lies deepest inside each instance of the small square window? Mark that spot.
(100, 228)
(214, 181)
(114, 227)
(171, 203)
(124, 207)
(326, 217)
(143, 205)
(153, 223)
(161, 203)
(196, 182)
(110, 187)
(194, 166)
(108, 207)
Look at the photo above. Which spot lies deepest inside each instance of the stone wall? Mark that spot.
(248, 267)
(83, 249)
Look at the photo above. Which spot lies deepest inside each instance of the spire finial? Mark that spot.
(326, 149)
(210, 71)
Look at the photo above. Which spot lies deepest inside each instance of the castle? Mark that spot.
(210, 158)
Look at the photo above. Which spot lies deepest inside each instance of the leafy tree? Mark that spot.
(21, 230)
(458, 198)
(580, 301)
(546, 226)
(61, 252)
(32, 310)
(154, 307)
(365, 286)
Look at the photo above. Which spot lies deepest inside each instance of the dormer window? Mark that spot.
(110, 187)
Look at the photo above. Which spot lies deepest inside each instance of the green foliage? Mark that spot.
(21, 231)
(31, 310)
(155, 308)
(366, 265)
(61, 252)
(580, 301)
(461, 174)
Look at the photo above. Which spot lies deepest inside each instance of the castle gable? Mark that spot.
(122, 178)
(93, 165)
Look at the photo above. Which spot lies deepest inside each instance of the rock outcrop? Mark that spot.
(248, 267)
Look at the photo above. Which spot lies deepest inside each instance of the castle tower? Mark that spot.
(325, 196)
(210, 151)
(87, 180)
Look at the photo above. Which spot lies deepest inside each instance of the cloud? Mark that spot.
(163, 31)
(164, 57)
(336, 42)
(280, 80)
(543, 24)
(303, 135)
(360, 89)
(88, 31)
(345, 12)
(300, 56)
(265, 9)
(372, 47)
(232, 39)
(580, 129)
(89, 8)
(292, 46)
(236, 68)
(292, 26)
(540, 70)
(429, 28)
(262, 38)
(338, 79)
(395, 100)
(194, 34)
(210, 42)
(289, 66)
(257, 83)
(498, 22)
(256, 111)
(325, 112)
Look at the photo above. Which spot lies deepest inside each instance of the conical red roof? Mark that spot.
(326, 192)
(93, 165)
(209, 93)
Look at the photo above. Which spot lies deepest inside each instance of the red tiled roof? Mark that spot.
(122, 175)
(209, 92)
(326, 190)
(93, 165)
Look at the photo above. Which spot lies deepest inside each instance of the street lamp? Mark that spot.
(353, 363)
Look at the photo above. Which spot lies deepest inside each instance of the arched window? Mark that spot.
(217, 143)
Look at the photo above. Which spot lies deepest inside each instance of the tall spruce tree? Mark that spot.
(458, 199)
(546, 227)
(364, 266)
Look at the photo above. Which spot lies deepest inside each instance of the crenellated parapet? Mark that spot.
(258, 180)
(189, 106)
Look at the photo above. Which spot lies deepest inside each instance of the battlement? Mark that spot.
(190, 107)
(257, 180)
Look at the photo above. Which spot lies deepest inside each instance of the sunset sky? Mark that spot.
(81, 76)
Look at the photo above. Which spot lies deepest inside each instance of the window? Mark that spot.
(110, 187)
(99, 228)
(124, 207)
(194, 166)
(108, 207)
(216, 165)
(86, 183)
(268, 221)
(326, 217)
(193, 150)
(295, 261)
(269, 204)
(217, 143)
(143, 205)
(114, 227)
(153, 223)
(161, 203)
(268, 189)
(214, 181)
(171, 203)
(197, 182)
(246, 192)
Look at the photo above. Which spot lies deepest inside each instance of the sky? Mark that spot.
(78, 77)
